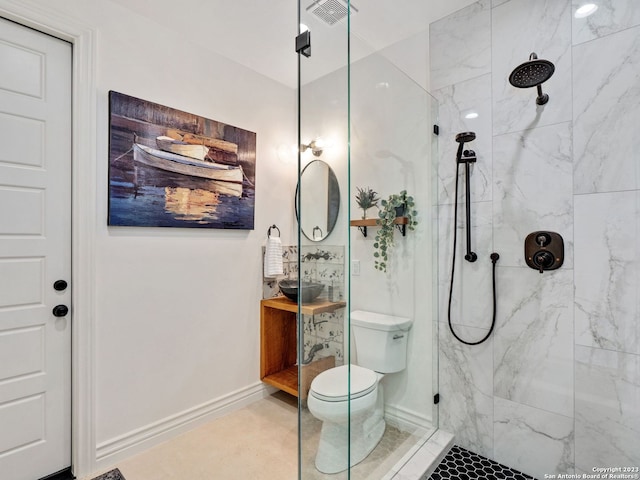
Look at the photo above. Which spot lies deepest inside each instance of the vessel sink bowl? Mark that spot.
(310, 290)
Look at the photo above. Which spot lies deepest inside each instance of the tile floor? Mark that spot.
(257, 442)
(462, 464)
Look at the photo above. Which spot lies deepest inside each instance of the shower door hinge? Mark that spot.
(436, 130)
(436, 399)
(303, 43)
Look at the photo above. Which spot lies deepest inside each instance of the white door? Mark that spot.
(35, 252)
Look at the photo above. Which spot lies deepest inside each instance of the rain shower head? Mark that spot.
(533, 74)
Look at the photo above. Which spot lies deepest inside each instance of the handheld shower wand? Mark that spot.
(467, 157)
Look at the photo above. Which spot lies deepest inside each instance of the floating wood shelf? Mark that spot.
(401, 223)
(278, 344)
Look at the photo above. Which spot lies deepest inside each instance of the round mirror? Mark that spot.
(320, 200)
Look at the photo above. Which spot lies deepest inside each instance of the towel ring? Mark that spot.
(269, 231)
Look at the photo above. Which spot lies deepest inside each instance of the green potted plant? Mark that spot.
(366, 198)
(397, 205)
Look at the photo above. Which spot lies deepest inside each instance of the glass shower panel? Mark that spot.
(392, 151)
(364, 123)
(322, 202)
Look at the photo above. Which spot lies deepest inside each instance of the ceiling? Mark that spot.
(259, 34)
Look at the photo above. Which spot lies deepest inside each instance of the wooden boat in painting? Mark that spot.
(220, 151)
(184, 165)
(169, 144)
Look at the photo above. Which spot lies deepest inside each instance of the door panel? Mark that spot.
(35, 251)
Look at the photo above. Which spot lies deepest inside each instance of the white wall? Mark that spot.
(177, 310)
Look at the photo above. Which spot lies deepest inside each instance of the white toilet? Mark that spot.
(381, 347)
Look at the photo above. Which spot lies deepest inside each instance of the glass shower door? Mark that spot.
(363, 123)
(323, 233)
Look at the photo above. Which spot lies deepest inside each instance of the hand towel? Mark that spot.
(273, 257)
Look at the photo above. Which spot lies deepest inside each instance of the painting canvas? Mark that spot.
(169, 168)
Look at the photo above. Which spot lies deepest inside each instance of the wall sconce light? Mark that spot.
(316, 146)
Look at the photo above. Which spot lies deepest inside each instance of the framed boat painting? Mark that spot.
(169, 168)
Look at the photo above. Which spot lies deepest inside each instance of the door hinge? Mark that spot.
(436, 399)
(436, 130)
(303, 43)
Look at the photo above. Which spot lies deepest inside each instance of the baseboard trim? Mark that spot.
(407, 420)
(143, 438)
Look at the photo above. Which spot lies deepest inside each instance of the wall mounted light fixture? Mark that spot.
(316, 146)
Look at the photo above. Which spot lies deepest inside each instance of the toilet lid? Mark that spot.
(331, 385)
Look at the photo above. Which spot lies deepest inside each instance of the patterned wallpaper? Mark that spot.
(322, 265)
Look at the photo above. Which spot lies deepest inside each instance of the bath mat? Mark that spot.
(460, 463)
(111, 475)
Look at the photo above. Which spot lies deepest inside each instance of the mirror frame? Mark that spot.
(333, 202)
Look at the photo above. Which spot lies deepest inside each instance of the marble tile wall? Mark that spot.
(556, 387)
(321, 264)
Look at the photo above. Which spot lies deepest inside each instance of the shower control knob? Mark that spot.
(544, 251)
(543, 260)
(543, 239)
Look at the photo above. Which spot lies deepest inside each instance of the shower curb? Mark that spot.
(424, 460)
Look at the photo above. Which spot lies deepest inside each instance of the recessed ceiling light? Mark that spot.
(471, 115)
(586, 10)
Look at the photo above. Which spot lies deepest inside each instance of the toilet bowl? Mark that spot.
(349, 399)
(328, 401)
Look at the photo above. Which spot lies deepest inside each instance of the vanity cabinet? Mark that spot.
(278, 344)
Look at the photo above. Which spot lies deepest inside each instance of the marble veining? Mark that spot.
(534, 441)
(563, 388)
(455, 103)
(472, 303)
(533, 189)
(519, 28)
(607, 285)
(612, 16)
(460, 45)
(607, 416)
(606, 96)
(496, 3)
(466, 389)
(533, 342)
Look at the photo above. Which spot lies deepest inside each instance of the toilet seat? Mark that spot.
(332, 385)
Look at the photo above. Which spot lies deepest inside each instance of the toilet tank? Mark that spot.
(381, 340)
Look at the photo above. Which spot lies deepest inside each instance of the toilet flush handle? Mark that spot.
(396, 336)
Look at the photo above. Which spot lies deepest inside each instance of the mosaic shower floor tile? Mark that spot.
(462, 464)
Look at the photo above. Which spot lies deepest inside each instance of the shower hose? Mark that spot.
(494, 259)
